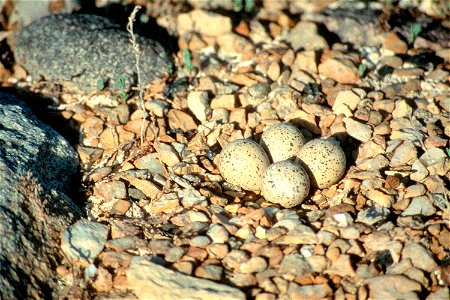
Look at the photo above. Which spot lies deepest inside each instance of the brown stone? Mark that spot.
(393, 43)
(342, 71)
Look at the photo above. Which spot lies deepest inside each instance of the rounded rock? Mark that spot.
(243, 163)
(324, 161)
(282, 141)
(285, 183)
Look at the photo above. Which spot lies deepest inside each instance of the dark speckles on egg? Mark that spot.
(324, 161)
(282, 141)
(243, 163)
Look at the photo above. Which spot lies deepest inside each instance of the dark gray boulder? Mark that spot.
(36, 169)
(79, 50)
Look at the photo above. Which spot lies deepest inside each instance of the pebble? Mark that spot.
(403, 154)
(294, 264)
(218, 233)
(420, 257)
(253, 265)
(198, 103)
(205, 23)
(392, 42)
(242, 280)
(420, 206)
(148, 280)
(373, 215)
(305, 36)
(314, 291)
(342, 267)
(361, 132)
(345, 103)
(84, 240)
(111, 190)
(300, 234)
(342, 71)
(393, 287)
(234, 259)
(212, 272)
(380, 198)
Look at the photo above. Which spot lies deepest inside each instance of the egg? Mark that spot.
(324, 161)
(243, 163)
(282, 141)
(285, 183)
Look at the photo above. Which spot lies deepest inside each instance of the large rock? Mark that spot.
(36, 168)
(80, 50)
(149, 280)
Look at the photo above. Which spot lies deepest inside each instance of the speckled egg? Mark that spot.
(285, 183)
(324, 161)
(243, 163)
(282, 141)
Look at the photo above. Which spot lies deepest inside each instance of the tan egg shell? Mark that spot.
(324, 161)
(243, 163)
(285, 183)
(282, 141)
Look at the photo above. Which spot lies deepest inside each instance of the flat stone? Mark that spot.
(358, 130)
(403, 154)
(203, 22)
(372, 215)
(420, 206)
(180, 119)
(212, 272)
(342, 71)
(84, 240)
(227, 101)
(150, 162)
(111, 190)
(148, 280)
(218, 233)
(380, 198)
(294, 264)
(393, 43)
(63, 47)
(420, 257)
(314, 291)
(345, 103)
(243, 280)
(253, 265)
(198, 103)
(393, 287)
(305, 36)
(300, 234)
(342, 267)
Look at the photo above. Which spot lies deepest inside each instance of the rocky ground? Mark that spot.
(375, 76)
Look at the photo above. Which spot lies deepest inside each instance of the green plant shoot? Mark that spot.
(187, 60)
(414, 32)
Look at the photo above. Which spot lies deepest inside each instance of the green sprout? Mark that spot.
(448, 151)
(249, 5)
(237, 5)
(187, 60)
(100, 84)
(414, 32)
(121, 87)
(362, 69)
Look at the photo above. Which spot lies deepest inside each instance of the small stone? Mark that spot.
(305, 36)
(148, 280)
(380, 198)
(342, 267)
(372, 215)
(147, 187)
(174, 254)
(300, 234)
(121, 207)
(227, 101)
(314, 291)
(212, 272)
(186, 267)
(218, 233)
(393, 43)
(167, 154)
(393, 287)
(253, 265)
(441, 293)
(305, 60)
(419, 171)
(403, 154)
(294, 264)
(342, 71)
(111, 190)
(103, 280)
(84, 240)
(150, 162)
(420, 257)
(234, 259)
(217, 250)
(203, 22)
(198, 103)
(242, 280)
(345, 103)
(415, 190)
(402, 109)
(200, 241)
(358, 130)
(181, 120)
(420, 206)
(318, 263)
